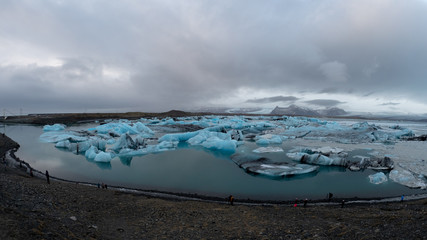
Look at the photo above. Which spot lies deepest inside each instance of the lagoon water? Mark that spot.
(192, 169)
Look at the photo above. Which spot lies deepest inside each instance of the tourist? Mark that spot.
(231, 199)
(330, 195)
(305, 202)
(342, 203)
(47, 177)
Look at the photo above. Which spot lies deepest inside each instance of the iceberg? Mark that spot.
(59, 136)
(54, 127)
(378, 178)
(98, 156)
(103, 157)
(268, 150)
(177, 137)
(122, 127)
(320, 156)
(268, 139)
(214, 140)
(406, 178)
(125, 141)
(261, 165)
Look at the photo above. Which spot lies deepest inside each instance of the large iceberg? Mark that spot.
(406, 178)
(320, 156)
(122, 127)
(261, 165)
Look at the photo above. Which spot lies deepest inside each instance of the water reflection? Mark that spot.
(126, 160)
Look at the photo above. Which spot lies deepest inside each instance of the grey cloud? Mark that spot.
(324, 102)
(183, 53)
(273, 99)
(389, 104)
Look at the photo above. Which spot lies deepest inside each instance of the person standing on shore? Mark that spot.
(47, 177)
(231, 199)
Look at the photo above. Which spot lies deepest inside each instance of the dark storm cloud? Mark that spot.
(273, 99)
(324, 102)
(158, 55)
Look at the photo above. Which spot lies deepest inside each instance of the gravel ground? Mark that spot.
(32, 209)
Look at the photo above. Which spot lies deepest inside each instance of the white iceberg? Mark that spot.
(406, 178)
(378, 178)
(268, 150)
(320, 156)
(261, 165)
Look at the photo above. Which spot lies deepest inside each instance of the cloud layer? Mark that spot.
(159, 55)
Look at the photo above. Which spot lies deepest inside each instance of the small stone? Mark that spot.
(73, 218)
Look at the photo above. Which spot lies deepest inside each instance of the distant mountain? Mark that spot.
(331, 112)
(294, 110)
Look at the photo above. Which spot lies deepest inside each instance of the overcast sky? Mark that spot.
(80, 56)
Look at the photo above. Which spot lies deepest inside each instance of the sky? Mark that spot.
(158, 55)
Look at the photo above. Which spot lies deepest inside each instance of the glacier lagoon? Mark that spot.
(198, 155)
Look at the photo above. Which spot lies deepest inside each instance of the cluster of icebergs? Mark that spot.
(126, 138)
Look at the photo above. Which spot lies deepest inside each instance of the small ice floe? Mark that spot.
(268, 150)
(261, 165)
(378, 178)
(54, 127)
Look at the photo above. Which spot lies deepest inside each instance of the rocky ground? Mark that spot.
(32, 209)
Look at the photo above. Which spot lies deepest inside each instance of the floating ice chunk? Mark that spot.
(125, 141)
(214, 140)
(161, 147)
(166, 145)
(63, 144)
(406, 178)
(320, 159)
(268, 150)
(320, 156)
(260, 165)
(141, 128)
(178, 137)
(54, 137)
(98, 156)
(91, 153)
(119, 128)
(378, 178)
(54, 127)
(268, 139)
(220, 144)
(103, 157)
(282, 169)
(328, 150)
